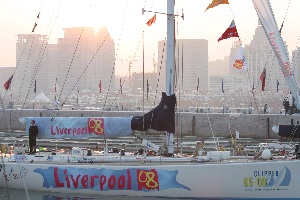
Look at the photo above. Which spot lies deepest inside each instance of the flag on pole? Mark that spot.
(240, 62)
(147, 88)
(263, 79)
(151, 21)
(121, 86)
(34, 89)
(215, 3)
(8, 82)
(35, 24)
(231, 31)
(277, 85)
(55, 85)
(100, 86)
(222, 86)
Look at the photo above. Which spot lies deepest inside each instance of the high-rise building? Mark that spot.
(85, 58)
(79, 61)
(296, 64)
(260, 55)
(191, 55)
(31, 65)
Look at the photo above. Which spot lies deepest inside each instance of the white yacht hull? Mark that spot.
(253, 179)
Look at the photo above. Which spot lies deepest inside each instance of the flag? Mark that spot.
(222, 86)
(198, 85)
(100, 86)
(147, 88)
(55, 85)
(230, 32)
(240, 62)
(35, 24)
(34, 89)
(277, 85)
(263, 79)
(151, 21)
(121, 86)
(8, 82)
(216, 3)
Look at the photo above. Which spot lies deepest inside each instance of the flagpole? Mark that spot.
(55, 90)
(143, 71)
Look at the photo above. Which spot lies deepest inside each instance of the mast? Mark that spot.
(170, 62)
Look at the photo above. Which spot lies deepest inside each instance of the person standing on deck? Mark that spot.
(33, 132)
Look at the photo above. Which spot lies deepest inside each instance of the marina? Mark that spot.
(160, 150)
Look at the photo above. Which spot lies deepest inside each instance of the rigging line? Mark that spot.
(40, 57)
(130, 65)
(284, 16)
(36, 21)
(77, 44)
(5, 175)
(85, 69)
(134, 56)
(27, 63)
(73, 57)
(30, 50)
(117, 50)
(159, 72)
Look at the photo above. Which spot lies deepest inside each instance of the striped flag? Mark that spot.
(151, 21)
(8, 82)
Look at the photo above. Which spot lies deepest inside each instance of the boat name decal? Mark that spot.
(109, 179)
(268, 179)
(272, 38)
(94, 126)
(13, 174)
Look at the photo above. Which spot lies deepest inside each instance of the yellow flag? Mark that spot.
(151, 21)
(216, 3)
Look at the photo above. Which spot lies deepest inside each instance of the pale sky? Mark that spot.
(125, 22)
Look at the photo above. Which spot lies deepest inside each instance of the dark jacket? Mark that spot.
(33, 131)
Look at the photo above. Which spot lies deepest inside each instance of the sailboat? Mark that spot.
(217, 176)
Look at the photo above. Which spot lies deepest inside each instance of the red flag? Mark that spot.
(120, 85)
(230, 32)
(263, 79)
(100, 86)
(8, 82)
(151, 21)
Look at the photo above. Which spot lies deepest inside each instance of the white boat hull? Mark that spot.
(263, 179)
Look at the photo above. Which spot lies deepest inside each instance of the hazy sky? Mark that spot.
(125, 22)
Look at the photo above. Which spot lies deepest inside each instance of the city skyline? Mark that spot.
(126, 23)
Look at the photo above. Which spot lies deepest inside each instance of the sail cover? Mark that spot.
(266, 17)
(161, 118)
(80, 127)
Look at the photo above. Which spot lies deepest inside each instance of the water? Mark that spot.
(14, 194)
